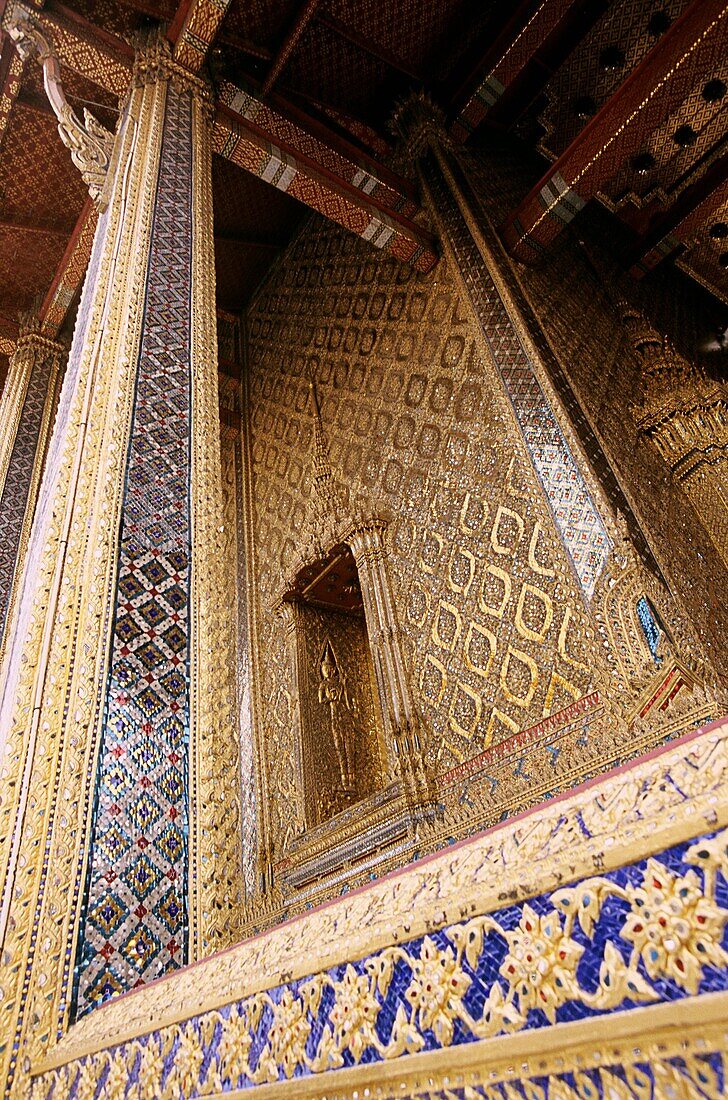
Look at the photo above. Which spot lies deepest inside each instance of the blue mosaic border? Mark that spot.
(649, 933)
(134, 913)
(14, 494)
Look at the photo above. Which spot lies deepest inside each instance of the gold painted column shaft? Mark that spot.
(26, 415)
(57, 688)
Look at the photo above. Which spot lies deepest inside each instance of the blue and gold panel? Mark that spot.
(645, 935)
(134, 918)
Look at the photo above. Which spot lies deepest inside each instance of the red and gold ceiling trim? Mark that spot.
(693, 46)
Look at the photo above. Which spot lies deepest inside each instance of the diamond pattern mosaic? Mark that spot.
(14, 493)
(134, 919)
(576, 516)
(649, 625)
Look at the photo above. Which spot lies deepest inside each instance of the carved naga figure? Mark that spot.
(90, 144)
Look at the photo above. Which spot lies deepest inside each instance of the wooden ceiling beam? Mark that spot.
(71, 272)
(356, 196)
(293, 131)
(351, 189)
(673, 231)
(518, 64)
(687, 54)
(303, 18)
(194, 29)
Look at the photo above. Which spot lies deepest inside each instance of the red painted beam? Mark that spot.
(71, 272)
(535, 41)
(303, 19)
(305, 139)
(686, 54)
(304, 175)
(194, 29)
(347, 186)
(671, 233)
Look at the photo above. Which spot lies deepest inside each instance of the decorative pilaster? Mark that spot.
(685, 415)
(117, 700)
(403, 726)
(26, 416)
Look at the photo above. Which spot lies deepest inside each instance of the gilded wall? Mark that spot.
(575, 296)
(497, 632)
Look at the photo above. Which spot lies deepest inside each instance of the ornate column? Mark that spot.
(685, 415)
(26, 416)
(117, 698)
(403, 727)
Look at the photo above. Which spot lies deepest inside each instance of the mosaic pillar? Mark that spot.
(685, 415)
(26, 415)
(116, 708)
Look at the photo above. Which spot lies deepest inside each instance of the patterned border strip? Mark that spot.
(691, 47)
(676, 1050)
(240, 141)
(513, 51)
(685, 230)
(576, 516)
(134, 918)
(366, 175)
(555, 723)
(71, 272)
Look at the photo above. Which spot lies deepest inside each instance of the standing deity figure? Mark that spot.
(333, 691)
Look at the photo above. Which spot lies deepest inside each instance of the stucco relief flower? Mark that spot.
(355, 1013)
(86, 1087)
(436, 990)
(187, 1062)
(234, 1047)
(541, 963)
(117, 1077)
(675, 929)
(151, 1068)
(288, 1035)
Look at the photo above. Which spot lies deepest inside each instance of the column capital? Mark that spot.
(30, 335)
(154, 62)
(420, 123)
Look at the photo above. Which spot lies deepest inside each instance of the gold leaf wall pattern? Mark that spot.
(496, 628)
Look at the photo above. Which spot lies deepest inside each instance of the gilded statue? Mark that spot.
(333, 692)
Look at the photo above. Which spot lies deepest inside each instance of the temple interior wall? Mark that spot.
(575, 302)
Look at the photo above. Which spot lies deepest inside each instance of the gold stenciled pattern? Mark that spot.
(624, 818)
(495, 629)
